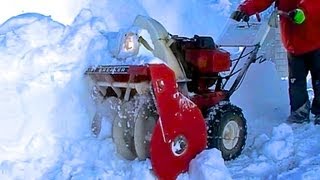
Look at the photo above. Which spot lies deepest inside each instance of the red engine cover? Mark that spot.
(209, 60)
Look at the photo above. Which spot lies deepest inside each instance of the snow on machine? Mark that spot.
(172, 111)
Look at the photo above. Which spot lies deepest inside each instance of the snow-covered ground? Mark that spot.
(46, 108)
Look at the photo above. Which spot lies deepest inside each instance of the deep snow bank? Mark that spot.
(42, 69)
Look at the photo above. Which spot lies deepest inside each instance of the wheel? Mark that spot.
(227, 130)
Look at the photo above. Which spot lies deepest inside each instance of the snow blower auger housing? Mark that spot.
(172, 111)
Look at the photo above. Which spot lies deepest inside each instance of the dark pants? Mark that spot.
(299, 66)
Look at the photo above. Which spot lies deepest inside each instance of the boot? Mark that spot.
(301, 115)
(317, 119)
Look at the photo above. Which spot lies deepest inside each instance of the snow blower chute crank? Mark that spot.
(170, 112)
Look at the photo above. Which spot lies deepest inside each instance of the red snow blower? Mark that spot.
(170, 112)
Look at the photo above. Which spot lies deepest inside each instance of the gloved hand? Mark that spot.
(297, 16)
(239, 15)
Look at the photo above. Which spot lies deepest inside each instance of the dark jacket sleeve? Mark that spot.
(251, 7)
(311, 9)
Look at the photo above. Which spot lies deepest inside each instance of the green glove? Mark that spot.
(297, 16)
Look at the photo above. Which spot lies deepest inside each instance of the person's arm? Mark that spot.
(251, 7)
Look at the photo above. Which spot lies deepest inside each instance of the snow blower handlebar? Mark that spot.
(247, 38)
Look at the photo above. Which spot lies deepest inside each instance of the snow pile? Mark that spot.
(43, 63)
(290, 152)
(277, 148)
(18, 74)
(45, 95)
(209, 164)
(95, 159)
(280, 145)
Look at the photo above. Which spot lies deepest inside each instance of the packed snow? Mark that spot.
(46, 105)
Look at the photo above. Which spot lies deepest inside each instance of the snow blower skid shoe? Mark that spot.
(154, 120)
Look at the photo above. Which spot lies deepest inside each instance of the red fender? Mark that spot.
(180, 133)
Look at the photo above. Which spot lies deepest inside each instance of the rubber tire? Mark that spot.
(217, 119)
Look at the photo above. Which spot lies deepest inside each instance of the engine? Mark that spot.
(202, 61)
